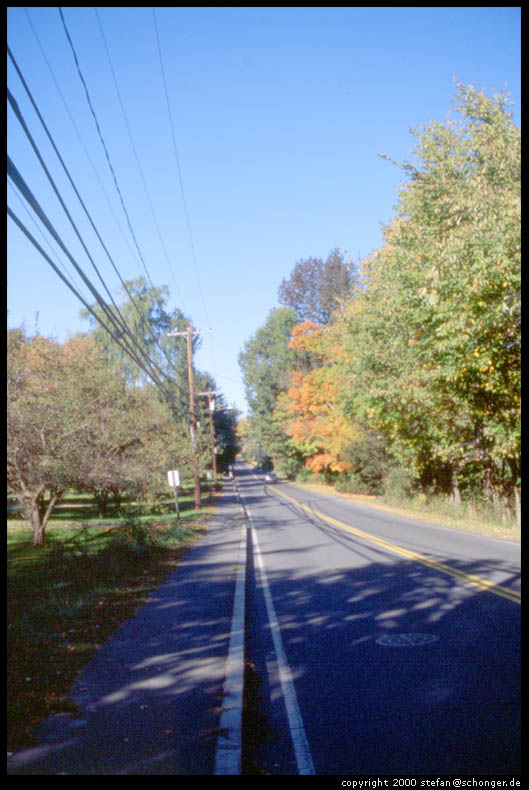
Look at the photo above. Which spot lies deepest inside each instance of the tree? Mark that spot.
(144, 311)
(316, 427)
(224, 424)
(226, 439)
(73, 422)
(434, 340)
(266, 362)
(315, 288)
(135, 441)
(54, 406)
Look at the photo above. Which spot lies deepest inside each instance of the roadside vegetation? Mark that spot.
(94, 424)
(477, 517)
(399, 376)
(68, 596)
(84, 415)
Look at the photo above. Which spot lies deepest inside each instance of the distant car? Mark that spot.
(271, 477)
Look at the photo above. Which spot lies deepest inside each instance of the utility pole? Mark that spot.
(211, 408)
(188, 334)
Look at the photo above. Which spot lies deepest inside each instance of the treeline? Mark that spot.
(83, 415)
(403, 371)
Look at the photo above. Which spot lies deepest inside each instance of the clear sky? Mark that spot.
(278, 113)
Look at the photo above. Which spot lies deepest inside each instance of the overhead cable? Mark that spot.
(104, 145)
(125, 118)
(179, 171)
(39, 230)
(127, 351)
(180, 180)
(18, 180)
(94, 169)
(21, 120)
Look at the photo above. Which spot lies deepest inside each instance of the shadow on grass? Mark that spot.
(368, 708)
(67, 597)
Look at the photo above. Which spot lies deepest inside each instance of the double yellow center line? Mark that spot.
(467, 578)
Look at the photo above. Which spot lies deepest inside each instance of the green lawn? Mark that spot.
(67, 597)
(79, 508)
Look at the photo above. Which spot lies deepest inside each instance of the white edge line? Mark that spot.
(295, 720)
(229, 744)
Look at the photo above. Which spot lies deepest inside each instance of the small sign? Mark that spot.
(173, 478)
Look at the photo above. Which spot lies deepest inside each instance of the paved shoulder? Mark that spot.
(151, 699)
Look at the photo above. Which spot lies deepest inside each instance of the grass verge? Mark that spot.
(66, 598)
(437, 511)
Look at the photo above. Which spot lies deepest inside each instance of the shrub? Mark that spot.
(305, 476)
(353, 484)
(399, 484)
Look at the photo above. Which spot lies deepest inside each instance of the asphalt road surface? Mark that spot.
(377, 645)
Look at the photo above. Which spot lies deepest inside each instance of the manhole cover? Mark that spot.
(405, 640)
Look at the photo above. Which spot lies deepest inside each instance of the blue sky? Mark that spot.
(279, 114)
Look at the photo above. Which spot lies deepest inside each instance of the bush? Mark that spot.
(305, 476)
(353, 484)
(399, 484)
(288, 467)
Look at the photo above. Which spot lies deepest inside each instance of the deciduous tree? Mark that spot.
(316, 288)
(56, 394)
(434, 349)
(266, 362)
(316, 426)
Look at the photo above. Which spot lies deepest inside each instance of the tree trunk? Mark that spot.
(488, 488)
(456, 493)
(117, 500)
(517, 507)
(40, 515)
(36, 524)
(515, 472)
(102, 500)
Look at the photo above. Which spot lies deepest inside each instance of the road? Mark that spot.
(377, 645)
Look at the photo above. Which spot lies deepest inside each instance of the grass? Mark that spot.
(77, 509)
(69, 596)
(469, 517)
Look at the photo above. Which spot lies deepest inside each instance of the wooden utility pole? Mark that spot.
(188, 334)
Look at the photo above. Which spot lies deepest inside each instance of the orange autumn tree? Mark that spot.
(312, 420)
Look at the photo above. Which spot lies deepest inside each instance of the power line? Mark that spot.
(18, 180)
(22, 186)
(104, 145)
(136, 156)
(31, 238)
(180, 180)
(16, 110)
(65, 103)
(35, 148)
(38, 230)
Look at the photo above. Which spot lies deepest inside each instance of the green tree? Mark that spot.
(149, 322)
(56, 396)
(135, 441)
(226, 439)
(74, 422)
(434, 350)
(266, 363)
